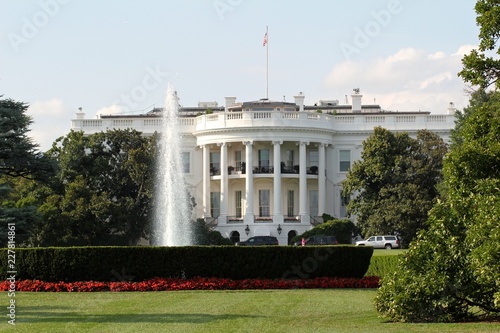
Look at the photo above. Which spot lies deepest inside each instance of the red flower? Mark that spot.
(197, 283)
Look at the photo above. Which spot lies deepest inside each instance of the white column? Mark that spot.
(206, 180)
(277, 215)
(224, 195)
(321, 179)
(303, 211)
(249, 216)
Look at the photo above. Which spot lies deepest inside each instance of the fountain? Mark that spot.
(172, 221)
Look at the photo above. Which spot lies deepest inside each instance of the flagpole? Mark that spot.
(267, 63)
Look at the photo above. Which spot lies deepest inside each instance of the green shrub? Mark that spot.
(341, 229)
(451, 272)
(234, 262)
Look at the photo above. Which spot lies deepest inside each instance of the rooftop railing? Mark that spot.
(263, 119)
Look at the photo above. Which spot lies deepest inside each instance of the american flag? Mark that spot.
(265, 40)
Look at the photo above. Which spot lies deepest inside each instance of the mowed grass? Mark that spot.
(384, 252)
(313, 310)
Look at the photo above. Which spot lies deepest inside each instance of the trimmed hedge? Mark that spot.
(232, 262)
(383, 266)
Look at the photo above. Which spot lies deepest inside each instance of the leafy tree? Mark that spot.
(20, 160)
(19, 156)
(103, 190)
(452, 271)
(20, 212)
(394, 184)
(481, 69)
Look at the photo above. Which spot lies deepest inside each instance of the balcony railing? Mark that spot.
(211, 222)
(214, 171)
(316, 220)
(340, 123)
(259, 169)
(263, 219)
(235, 219)
(313, 170)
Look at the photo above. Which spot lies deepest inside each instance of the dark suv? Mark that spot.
(259, 240)
(321, 240)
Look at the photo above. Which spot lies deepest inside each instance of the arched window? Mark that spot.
(235, 237)
(291, 234)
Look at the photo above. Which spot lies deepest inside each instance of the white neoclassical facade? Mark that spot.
(268, 167)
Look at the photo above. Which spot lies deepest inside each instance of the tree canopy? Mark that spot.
(20, 161)
(452, 271)
(482, 67)
(19, 155)
(102, 192)
(394, 185)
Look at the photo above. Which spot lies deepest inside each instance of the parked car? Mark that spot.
(259, 240)
(381, 242)
(319, 240)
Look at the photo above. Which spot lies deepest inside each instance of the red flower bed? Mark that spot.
(161, 284)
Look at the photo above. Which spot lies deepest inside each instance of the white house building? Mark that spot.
(272, 168)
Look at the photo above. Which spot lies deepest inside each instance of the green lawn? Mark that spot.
(313, 310)
(384, 252)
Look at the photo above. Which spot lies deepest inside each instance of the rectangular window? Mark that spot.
(237, 196)
(287, 165)
(215, 204)
(215, 163)
(345, 160)
(237, 160)
(264, 157)
(290, 204)
(313, 203)
(186, 165)
(264, 203)
(313, 162)
(313, 158)
(263, 161)
(289, 158)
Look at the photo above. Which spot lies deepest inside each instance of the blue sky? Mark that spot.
(119, 56)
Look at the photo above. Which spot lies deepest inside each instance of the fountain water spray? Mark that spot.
(172, 209)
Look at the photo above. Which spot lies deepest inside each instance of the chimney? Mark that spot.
(451, 108)
(230, 101)
(80, 114)
(356, 101)
(299, 100)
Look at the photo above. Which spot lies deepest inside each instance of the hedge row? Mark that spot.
(232, 262)
(382, 266)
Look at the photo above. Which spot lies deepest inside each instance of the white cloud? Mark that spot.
(408, 80)
(113, 109)
(465, 49)
(51, 119)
